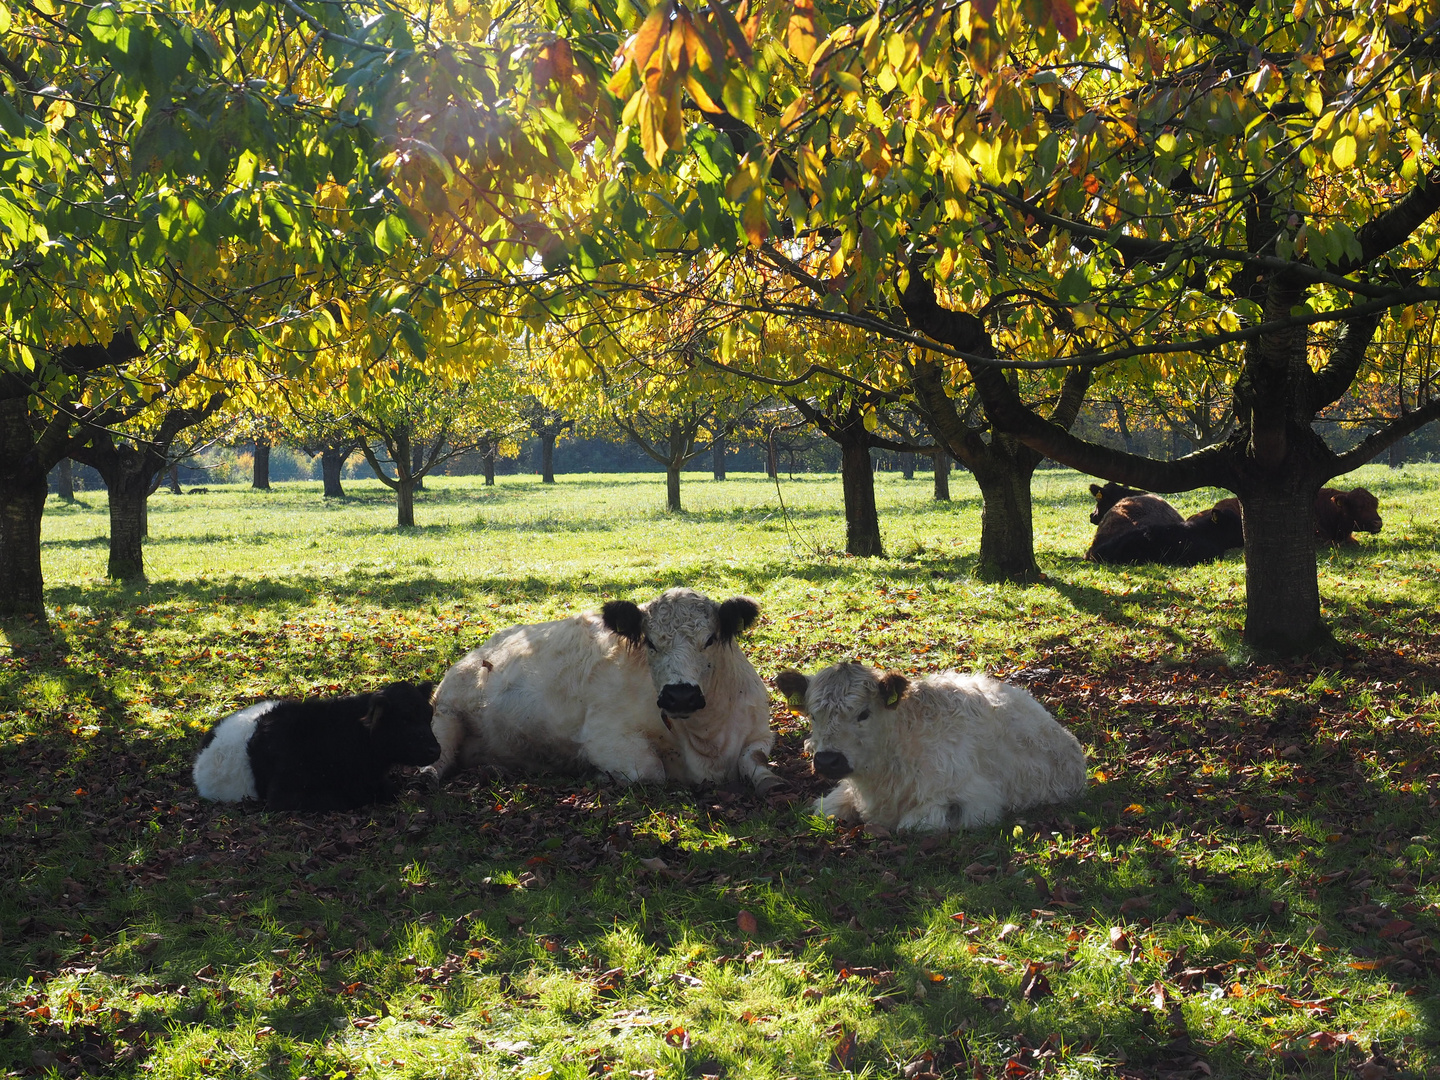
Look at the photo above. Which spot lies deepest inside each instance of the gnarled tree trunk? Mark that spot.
(672, 488)
(22, 503)
(261, 479)
(547, 458)
(942, 475)
(857, 480)
(65, 482)
(718, 451)
(332, 462)
(405, 503)
(129, 491)
(417, 462)
(1282, 591)
(1007, 531)
(488, 457)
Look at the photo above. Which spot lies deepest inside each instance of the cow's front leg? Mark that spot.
(840, 803)
(754, 765)
(932, 817)
(626, 757)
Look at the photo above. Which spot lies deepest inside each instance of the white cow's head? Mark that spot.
(681, 631)
(851, 708)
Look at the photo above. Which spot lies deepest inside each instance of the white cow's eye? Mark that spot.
(864, 715)
(710, 640)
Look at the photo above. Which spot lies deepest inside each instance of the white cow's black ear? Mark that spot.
(893, 687)
(624, 618)
(736, 615)
(794, 686)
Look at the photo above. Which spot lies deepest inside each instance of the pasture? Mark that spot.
(1248, 889)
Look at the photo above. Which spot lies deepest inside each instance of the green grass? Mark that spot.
(1247, 889)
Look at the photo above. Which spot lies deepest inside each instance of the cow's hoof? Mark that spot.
(766, 784)
(429, 778)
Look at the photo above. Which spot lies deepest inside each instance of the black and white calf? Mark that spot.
(950, 751)
(327, 754)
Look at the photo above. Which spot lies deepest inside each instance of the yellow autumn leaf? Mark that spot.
(1343, 152)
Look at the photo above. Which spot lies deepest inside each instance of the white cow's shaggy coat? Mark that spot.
(950, 751)
(580, 694)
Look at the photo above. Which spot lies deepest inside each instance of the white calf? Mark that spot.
(950, 751)
(643, 693)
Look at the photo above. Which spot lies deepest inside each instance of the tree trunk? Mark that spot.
(547, 458)
(772, 462)
(942, 475)
(1007, 534)
(261, 481)
(907, 466)
(488, 457)
(718, 450)
(857, 478)
(405, 504)
(1123, 425)
(129, 489)
(332, 461)
(174, 478)
(22, 503)
(417, 462)
(1282, 590)
(66, 482)
(672, 488)
(1396, 458)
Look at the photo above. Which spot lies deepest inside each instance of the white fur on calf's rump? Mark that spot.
(222, 769)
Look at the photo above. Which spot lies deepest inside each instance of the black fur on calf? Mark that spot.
(336, 754)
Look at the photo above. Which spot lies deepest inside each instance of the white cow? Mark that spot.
(644, 693)
(950, 751)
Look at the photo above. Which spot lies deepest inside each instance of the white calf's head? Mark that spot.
(851, 707)
(681, 631)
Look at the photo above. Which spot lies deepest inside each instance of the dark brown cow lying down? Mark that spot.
(1338, 514)
(1120, 513)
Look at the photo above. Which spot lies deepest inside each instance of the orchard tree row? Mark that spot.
(984, 214)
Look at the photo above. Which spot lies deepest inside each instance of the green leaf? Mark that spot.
(390, 234)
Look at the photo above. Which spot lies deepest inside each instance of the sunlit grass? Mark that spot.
(1230, 891)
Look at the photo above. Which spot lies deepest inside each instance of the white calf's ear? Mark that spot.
(893, 687)
(794, 686)
(736, 616)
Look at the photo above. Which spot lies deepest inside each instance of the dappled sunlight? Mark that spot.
(1248, 876)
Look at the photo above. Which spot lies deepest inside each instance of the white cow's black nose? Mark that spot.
(833, 765)
(682, 699)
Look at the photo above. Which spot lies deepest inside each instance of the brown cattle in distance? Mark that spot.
(1338, 514)
(1136, 511)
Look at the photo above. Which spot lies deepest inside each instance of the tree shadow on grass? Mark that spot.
(238, 896)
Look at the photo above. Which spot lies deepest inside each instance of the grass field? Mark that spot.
(1247, 890)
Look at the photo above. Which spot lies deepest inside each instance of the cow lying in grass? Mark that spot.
(332, 754)
(1339, 513)
(1120, 509)
(641, 693)
(1203, 537)
(950, 751)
